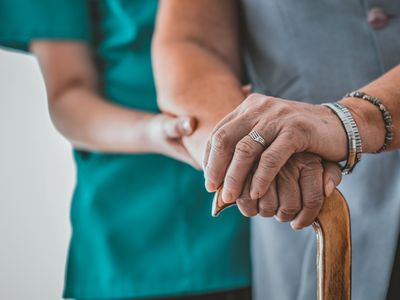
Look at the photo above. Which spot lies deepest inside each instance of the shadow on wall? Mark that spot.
(36, 182)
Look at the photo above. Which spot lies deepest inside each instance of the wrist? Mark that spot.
(369, 121)
(333, 144)
(148, 133)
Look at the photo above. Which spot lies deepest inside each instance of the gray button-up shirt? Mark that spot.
(316, 51)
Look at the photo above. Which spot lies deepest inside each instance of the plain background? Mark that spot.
(36, 183)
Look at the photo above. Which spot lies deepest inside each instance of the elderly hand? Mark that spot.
(296, 194)
(287, 127)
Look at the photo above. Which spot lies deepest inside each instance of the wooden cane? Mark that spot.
(332, 229)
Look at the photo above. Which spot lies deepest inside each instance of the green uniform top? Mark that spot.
(141, 223)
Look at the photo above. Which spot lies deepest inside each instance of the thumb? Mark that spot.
(176, 127)
(332, 177)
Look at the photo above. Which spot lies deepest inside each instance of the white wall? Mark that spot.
(36, 182)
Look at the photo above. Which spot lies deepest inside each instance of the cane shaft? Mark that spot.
(332, 228)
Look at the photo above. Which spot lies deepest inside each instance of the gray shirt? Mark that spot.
(316, 51)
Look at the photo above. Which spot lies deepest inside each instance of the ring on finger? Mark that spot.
(255, 136)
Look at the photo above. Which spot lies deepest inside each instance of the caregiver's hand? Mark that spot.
(166, 132)
(288, 127)
(296, 194)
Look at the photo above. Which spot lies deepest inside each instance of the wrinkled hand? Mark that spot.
(296, 194)
(288, 127)
(166, 133)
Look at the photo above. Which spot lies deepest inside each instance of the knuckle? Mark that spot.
(245, 201)
(313, 159)
(267, 209)
(283, 108)
(260, 181)
(299, 121)
(257, 101)
(272, 126)
(245, 149)
(311, 172)
(288, 175)
(289, 210)
(291, 135)
(311, 168)
(271, 101)
(269, 160)
(313, 201)
(220, 140)
(266, 214)
(230, 182)
(247, 206)
(296, 120)
(212, 174)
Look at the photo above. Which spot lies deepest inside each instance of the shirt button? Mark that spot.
(378, 18)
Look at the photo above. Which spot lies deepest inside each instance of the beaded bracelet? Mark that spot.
(387, 118)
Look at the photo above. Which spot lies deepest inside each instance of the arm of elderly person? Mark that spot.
(197, 68)
(290, 127)
(196, 61)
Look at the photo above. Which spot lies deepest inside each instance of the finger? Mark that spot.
(269, 203)
(271, 161)
(217, 127)
(176, 127)
(247, 152)
(222, 148)
(332, 177)
(289, 193)
(247, 206)
(247, 119)
(312, 194)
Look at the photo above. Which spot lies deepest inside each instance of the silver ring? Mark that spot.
(255, 136)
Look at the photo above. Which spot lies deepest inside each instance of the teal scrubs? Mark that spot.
(141, 223)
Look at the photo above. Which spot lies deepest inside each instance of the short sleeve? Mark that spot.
(24, 20)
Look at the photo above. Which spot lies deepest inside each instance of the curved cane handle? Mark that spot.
(332, 228)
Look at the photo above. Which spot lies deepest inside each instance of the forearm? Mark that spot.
(196, 63)
(202, 87)
(369, 118)
(91, 123)
(78, 111)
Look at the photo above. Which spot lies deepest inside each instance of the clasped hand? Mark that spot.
(291, 176)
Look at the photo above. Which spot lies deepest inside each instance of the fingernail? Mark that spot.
(329, 188)
(226, 196)
(187, 127)
(277, 218)
(295, 226)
